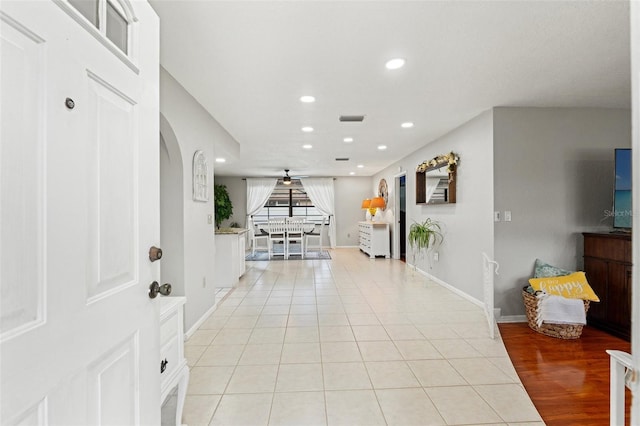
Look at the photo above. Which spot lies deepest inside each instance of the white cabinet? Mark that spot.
(230, 254)
(173, 365)
(374, 238)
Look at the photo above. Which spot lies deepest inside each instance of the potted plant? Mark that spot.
(423, 236)
(222, 204)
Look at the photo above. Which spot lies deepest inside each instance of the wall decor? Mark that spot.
(383, 192)
(200, 177)
(436, 180)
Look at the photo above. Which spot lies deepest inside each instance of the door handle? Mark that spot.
(155, 288)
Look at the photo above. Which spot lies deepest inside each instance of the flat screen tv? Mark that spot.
(622, 212)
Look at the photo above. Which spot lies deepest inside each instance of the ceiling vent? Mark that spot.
(351, 118)
(342, 159)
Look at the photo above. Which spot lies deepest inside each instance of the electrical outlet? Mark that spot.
(496, 216)
(436, 256)
(507, 215)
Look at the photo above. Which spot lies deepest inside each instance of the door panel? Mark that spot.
(112, 190)
(22, 185)
(78, 213)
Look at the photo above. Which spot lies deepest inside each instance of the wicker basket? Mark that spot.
(561, 331)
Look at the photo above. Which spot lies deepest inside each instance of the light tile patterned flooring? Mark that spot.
(349, 341)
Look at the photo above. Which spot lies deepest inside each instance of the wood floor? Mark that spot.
(567, 380)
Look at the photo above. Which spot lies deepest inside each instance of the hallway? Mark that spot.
(349, 341)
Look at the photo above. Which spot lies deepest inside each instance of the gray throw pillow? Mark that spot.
(543, 270)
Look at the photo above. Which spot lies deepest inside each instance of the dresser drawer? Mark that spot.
(169, 359)
(169, 328)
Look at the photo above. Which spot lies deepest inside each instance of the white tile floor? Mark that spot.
(349, 341)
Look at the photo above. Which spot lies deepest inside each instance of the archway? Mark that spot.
(171, 209)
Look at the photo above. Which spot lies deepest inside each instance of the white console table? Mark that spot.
(374, 238)
(173, 365)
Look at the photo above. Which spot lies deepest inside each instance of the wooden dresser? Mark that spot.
(607, 264)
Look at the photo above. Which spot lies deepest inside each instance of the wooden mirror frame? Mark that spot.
(421, 182)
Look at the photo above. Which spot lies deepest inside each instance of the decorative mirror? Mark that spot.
(436, 180)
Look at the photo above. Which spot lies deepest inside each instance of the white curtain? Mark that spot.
(258, 192)
(321, 194)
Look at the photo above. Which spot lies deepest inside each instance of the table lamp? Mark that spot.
(365, 204)
(376, 203)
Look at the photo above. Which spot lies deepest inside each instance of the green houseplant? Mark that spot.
(423, 236)
(222, 204)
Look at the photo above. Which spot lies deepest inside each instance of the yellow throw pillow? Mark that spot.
(572, 286)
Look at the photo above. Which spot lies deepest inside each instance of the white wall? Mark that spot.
(195, 130)
(554, 172)
(349, 193)
(635, 108)
(468, 224)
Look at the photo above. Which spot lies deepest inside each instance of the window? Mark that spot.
(288, 201)
(109, 18)
(117, 26)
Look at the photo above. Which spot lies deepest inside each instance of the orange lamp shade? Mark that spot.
(377, 202)
(366, 203)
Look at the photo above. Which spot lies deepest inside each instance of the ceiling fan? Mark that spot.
(286, 179)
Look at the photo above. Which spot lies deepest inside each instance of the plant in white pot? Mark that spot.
(424, 236)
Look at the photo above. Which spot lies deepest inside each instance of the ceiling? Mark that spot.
(248, 63)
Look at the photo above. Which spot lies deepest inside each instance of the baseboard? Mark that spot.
(206, 315)
(451, 288)
(512, 318)
(198, 323)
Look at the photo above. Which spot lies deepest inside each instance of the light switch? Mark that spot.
(496, 216)
(210, 219)
(507, 215)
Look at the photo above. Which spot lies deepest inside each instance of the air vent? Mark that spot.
(351, 118)
(342, 159)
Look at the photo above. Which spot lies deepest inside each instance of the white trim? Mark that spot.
(395, 249)
(511, 318)
(450, 287)
(97, 34)
(198, 323)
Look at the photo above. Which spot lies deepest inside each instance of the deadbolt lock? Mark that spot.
(155, 253)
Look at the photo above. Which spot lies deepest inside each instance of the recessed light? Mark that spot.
(307, 146)
(348, 140)
(352, 173)
(307, 99)
(382, 147)
(407, 125)
(360, 166)
(307, 129)
(220, 160)
(395, 63)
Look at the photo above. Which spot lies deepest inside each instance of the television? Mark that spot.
(622, 212)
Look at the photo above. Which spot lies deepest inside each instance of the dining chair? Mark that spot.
(258, 234)
(315, 235)
(295, 233)
(277, 234)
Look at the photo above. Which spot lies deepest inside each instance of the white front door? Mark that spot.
(78, 213)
